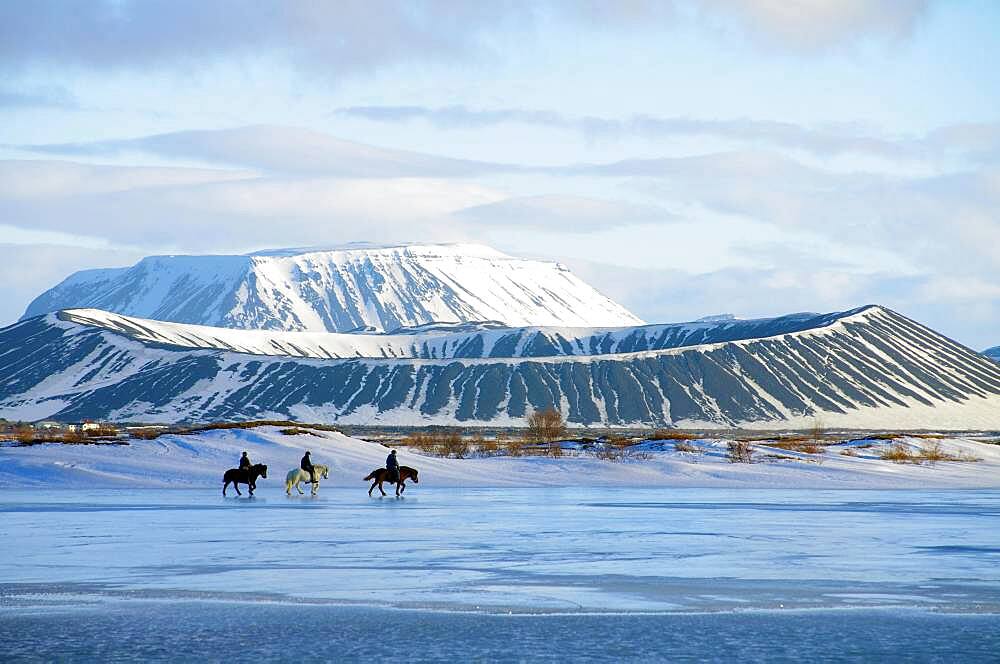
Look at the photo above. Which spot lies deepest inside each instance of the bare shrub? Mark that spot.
(898, 453)
(850, 451)
(102, 431)
(546, 425)
(687, 447)
(294, 431)
(453, 445)
(740, 451)
(514, 448)
(670, 434)
(424, 442)
(610, 453)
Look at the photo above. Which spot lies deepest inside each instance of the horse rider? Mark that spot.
(307, 465)
(392, 465)
(245, 462)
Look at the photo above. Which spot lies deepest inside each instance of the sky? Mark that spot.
(686, 157)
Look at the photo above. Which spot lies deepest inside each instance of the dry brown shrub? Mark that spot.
(850, 451)
(670, 434)
(545, 426)
(687, 447)
(453, 445)
(898, 453)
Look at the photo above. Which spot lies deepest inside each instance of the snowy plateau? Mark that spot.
(360, 287)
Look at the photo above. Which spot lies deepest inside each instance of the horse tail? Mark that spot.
(371, 475)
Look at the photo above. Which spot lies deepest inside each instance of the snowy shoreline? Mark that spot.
(199, 460)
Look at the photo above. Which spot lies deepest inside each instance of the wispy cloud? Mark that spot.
(977, 142)
(573, 214)
(274, 149)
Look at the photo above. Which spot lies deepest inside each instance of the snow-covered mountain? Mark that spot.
(993, 353)
(339, 290)
(869, 367)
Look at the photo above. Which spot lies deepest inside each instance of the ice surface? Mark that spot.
(526, 551)
(580, 573)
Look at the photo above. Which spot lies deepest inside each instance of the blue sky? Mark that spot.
(688, 158)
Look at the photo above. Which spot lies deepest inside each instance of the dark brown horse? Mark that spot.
(239, 476)
(380, 475)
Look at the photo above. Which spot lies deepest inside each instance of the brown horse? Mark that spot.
(380, 475)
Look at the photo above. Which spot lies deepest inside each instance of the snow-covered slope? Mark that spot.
(340, 290)
(993, 353)
(869, 367)
(444, 341)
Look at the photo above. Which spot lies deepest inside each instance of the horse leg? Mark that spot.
(224, 485)
(381, 489)
(371, 488)
(236, 485)
(402, 488)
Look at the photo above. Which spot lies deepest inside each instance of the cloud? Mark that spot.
(673, 296)
(341, 37)
(816, 25)
(27, 179)
(978, 142)
(936, 220)
(275, 149)
(564, 213)
(351, 36)
(200, 209)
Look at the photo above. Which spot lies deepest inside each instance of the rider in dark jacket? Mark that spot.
(245, 462)
(392, 465)
(307, 465)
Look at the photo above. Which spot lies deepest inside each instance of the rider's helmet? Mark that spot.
(307, 452)
(393, 452)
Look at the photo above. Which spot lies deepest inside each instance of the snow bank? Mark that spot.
(200, 460)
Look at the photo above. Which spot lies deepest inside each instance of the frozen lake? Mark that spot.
(507, 573)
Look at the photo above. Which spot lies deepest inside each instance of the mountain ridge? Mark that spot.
(869, 367)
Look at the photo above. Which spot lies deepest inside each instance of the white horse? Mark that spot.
(297, 475)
